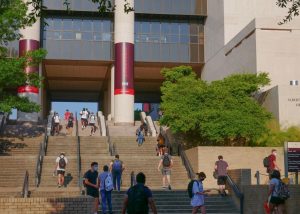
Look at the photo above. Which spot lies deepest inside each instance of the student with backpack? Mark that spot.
(167, 163)
(92, 122)
(138, 198)
(278, 193)
(117, 167)
(270, 162)
(106, 187)
(140, 136)
(60, 167)
(197, 193)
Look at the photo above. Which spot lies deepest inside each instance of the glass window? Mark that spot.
(77, 24)
(106, 26)
(174, 28)
(194, 39)
(145, 27)
(87, 36)
(184, 39)
(172, 38)
(165, 26)
(86, 25)
(68, 24)
(106, 37)
(155, 28)
(97, 25)
(68, 35)
(184, 29)
(57, 24)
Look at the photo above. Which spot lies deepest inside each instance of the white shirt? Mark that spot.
(57, 161)
(56, 119)
(84, 115)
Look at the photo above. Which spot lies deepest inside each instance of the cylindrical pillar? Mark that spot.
(124, 64)
(112, 92)
(29, 42)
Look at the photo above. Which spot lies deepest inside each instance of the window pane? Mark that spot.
(87, 36)
(155, 28)
(57, 24)
(68, 35)
(106, 26)
(77, 25)
(68, 24)
(86, 25)
(145, 27)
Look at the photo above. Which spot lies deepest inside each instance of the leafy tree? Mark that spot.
(293, 9)
(12, 18)
(222, 112)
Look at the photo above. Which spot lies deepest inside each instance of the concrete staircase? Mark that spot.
(178, 202)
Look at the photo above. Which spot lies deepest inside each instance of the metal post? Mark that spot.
(285, 159)
(257, 178)
(296, 178)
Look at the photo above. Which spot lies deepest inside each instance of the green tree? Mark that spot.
(222, 112)
(12, 18)
(293, 9)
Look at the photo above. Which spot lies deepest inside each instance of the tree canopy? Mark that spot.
(221, 112)
(12, 18)
(293, 9)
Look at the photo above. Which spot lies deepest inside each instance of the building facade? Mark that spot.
(115, 58)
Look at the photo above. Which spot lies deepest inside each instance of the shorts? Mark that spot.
(161, 145)
(94, 193)
(276, 200)
(62, 172)
(222, 180)
(166, 171)
(70, 125)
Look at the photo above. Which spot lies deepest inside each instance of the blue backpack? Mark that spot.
(117, 166)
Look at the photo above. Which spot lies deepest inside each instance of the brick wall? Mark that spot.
(75, 205)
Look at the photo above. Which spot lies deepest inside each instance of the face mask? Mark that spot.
(96, 168)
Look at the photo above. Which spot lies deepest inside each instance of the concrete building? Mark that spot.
(244, 36)
(114, 59)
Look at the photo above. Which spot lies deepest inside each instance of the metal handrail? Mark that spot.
(186, 162)
(78, 154)
(3, 122)
(237, 193)
(39, 162)
(25, 189)
(132, 179)
(112, 147)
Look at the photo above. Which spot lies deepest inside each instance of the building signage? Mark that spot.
(293, 156)
(295, 100)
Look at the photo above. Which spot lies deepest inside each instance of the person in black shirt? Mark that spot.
(92, 184)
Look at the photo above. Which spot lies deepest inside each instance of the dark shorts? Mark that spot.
(166, 171)
(276, 200)
(94, 193)
(61, 172)
(161, 145)
(222, 180)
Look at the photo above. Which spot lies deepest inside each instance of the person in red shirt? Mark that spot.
(272, 162)
(67, 115)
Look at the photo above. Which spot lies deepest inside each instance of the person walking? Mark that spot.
(92, 184)
(198, 199)
(140, 136)
(166, 163)
(92, 122)
(70, 123)
(84, 118)
(160, 144)
(274, 188)
(56, 119)
(60, 168)
(138, 198)
(272, 162)
(106, 187)
(67, 115)
(117, 167)
(221, 168)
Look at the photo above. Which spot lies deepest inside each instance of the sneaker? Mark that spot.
(169, 187)
(59, 186)
(164, 187)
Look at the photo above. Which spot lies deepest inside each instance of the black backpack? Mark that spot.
(283, 192)
(62, 163)
(266, 162)
(166, 161)
(190, 188)
(137, 200)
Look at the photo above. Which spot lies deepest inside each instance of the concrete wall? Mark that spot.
(236, 157)
(79, 205)
(256, 195)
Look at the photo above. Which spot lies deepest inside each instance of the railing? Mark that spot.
(237, 193)
(132, 179)
(78, 154)
(3, 119)
(25, 189)
(39, 163)
(112, 147)
(186, 162)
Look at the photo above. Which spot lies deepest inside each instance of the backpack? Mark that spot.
(108, 183)
(137, 200)
(190, 188)
(283, 192)
(117, 166)
(166, 161)
(62, 163)
(266, 162)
